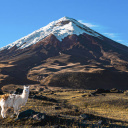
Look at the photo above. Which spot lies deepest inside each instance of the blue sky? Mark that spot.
(19, 18)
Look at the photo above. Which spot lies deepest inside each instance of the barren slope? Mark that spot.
(99, 61)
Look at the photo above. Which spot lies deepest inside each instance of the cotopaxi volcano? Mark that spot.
(65, 53)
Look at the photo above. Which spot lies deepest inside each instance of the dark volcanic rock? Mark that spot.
(40, 97)
(84, 116)
(100, 90)
(26, 114)
(32, 115)
(39, 116)
(114, 90)
(57, 108)
(1, 92)
(18, 91)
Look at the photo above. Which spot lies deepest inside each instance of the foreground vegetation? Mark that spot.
(68, 108)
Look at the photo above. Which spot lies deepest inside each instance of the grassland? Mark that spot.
(111, 108)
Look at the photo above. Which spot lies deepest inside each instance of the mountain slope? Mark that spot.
(65, 46)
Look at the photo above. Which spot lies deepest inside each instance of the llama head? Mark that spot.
(26, 89)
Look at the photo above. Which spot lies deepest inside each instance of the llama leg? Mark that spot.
(13, 115)
(16, 111)
(3, 112)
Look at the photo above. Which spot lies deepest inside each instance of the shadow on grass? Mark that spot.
(27, 119)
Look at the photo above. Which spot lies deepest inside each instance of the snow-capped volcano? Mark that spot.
(60, 28)
(65, 46)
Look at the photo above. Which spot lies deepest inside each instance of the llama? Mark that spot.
(13, 100)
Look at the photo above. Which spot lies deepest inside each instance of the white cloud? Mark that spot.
(111, 35)
(120, 40)
(88, 24)
(125, 42)
(114, 36)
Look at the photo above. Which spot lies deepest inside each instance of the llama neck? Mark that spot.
(25, 95)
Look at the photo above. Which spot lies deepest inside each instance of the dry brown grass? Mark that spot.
(5, 65)
(110, 107)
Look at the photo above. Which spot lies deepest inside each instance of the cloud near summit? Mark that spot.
(114, 36)
(88, 24)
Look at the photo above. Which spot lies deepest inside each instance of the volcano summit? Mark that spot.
(65, 53)
(60, 28)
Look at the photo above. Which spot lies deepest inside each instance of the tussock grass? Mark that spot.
(111, 108)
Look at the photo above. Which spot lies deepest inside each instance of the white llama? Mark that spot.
(13, 100)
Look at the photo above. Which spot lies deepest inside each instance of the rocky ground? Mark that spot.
(67, 108)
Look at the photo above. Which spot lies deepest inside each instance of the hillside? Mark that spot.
(67, 54)
(70, 108)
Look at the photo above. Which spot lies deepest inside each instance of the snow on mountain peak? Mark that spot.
(60, 28)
